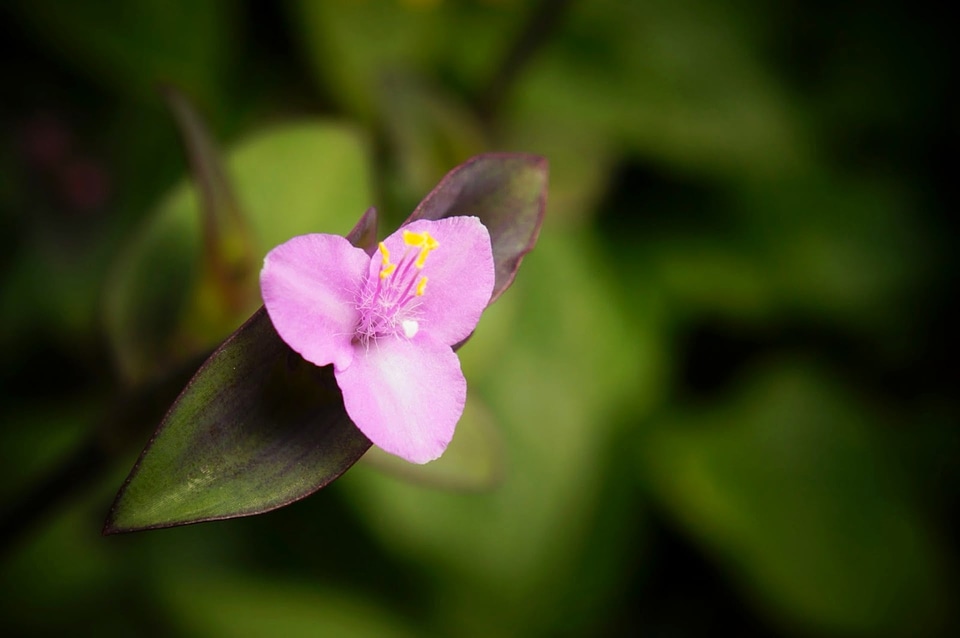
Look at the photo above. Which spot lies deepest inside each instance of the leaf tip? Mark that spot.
(364, 234)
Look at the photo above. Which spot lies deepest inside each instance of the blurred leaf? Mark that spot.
(427, 131)
(137, 45)
(676, 81)
(35, 438)
(221, 213)
(291, 180)
(52, 288)
(846, 249)
(710, 276)
(472, 461)
(256, 429)
(582, 165)
(228, 282)
(789, 488)
(354, 46)
(841, 251)
(63, 574)
(226, 605)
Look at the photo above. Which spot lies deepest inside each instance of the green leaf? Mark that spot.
(427, 131)
(790, 488)
(582, 165)
(256, 429)
(353, 45)
(228, 282)
(233, 604)
(288, 181)
(840, 251)
(472, 462)
(680, 81)
(847, 250)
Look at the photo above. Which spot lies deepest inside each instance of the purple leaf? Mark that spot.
(256, 428)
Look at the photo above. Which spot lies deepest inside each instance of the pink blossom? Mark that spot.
(387, 323)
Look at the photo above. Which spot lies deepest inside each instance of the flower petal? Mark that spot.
(460, 275)
(405, 395)
(309, 286)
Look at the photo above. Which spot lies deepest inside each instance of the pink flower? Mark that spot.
(387, 323)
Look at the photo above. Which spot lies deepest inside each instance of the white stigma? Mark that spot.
(410, 328)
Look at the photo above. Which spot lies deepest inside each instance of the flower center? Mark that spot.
(388, 303)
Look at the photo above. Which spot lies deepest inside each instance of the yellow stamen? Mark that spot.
(420, 240)
(387, 270)
(425, 242)
(414, 239)
(421, 286)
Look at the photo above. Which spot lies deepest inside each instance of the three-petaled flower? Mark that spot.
(387, 323)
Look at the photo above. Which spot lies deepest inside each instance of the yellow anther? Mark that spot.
(421, 286)
(385, 254)
(422, 258)
(387, 270)
(420, 240)
(414, 239)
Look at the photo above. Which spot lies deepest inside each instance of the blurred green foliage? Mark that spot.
(721, 393)
(158, 310)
